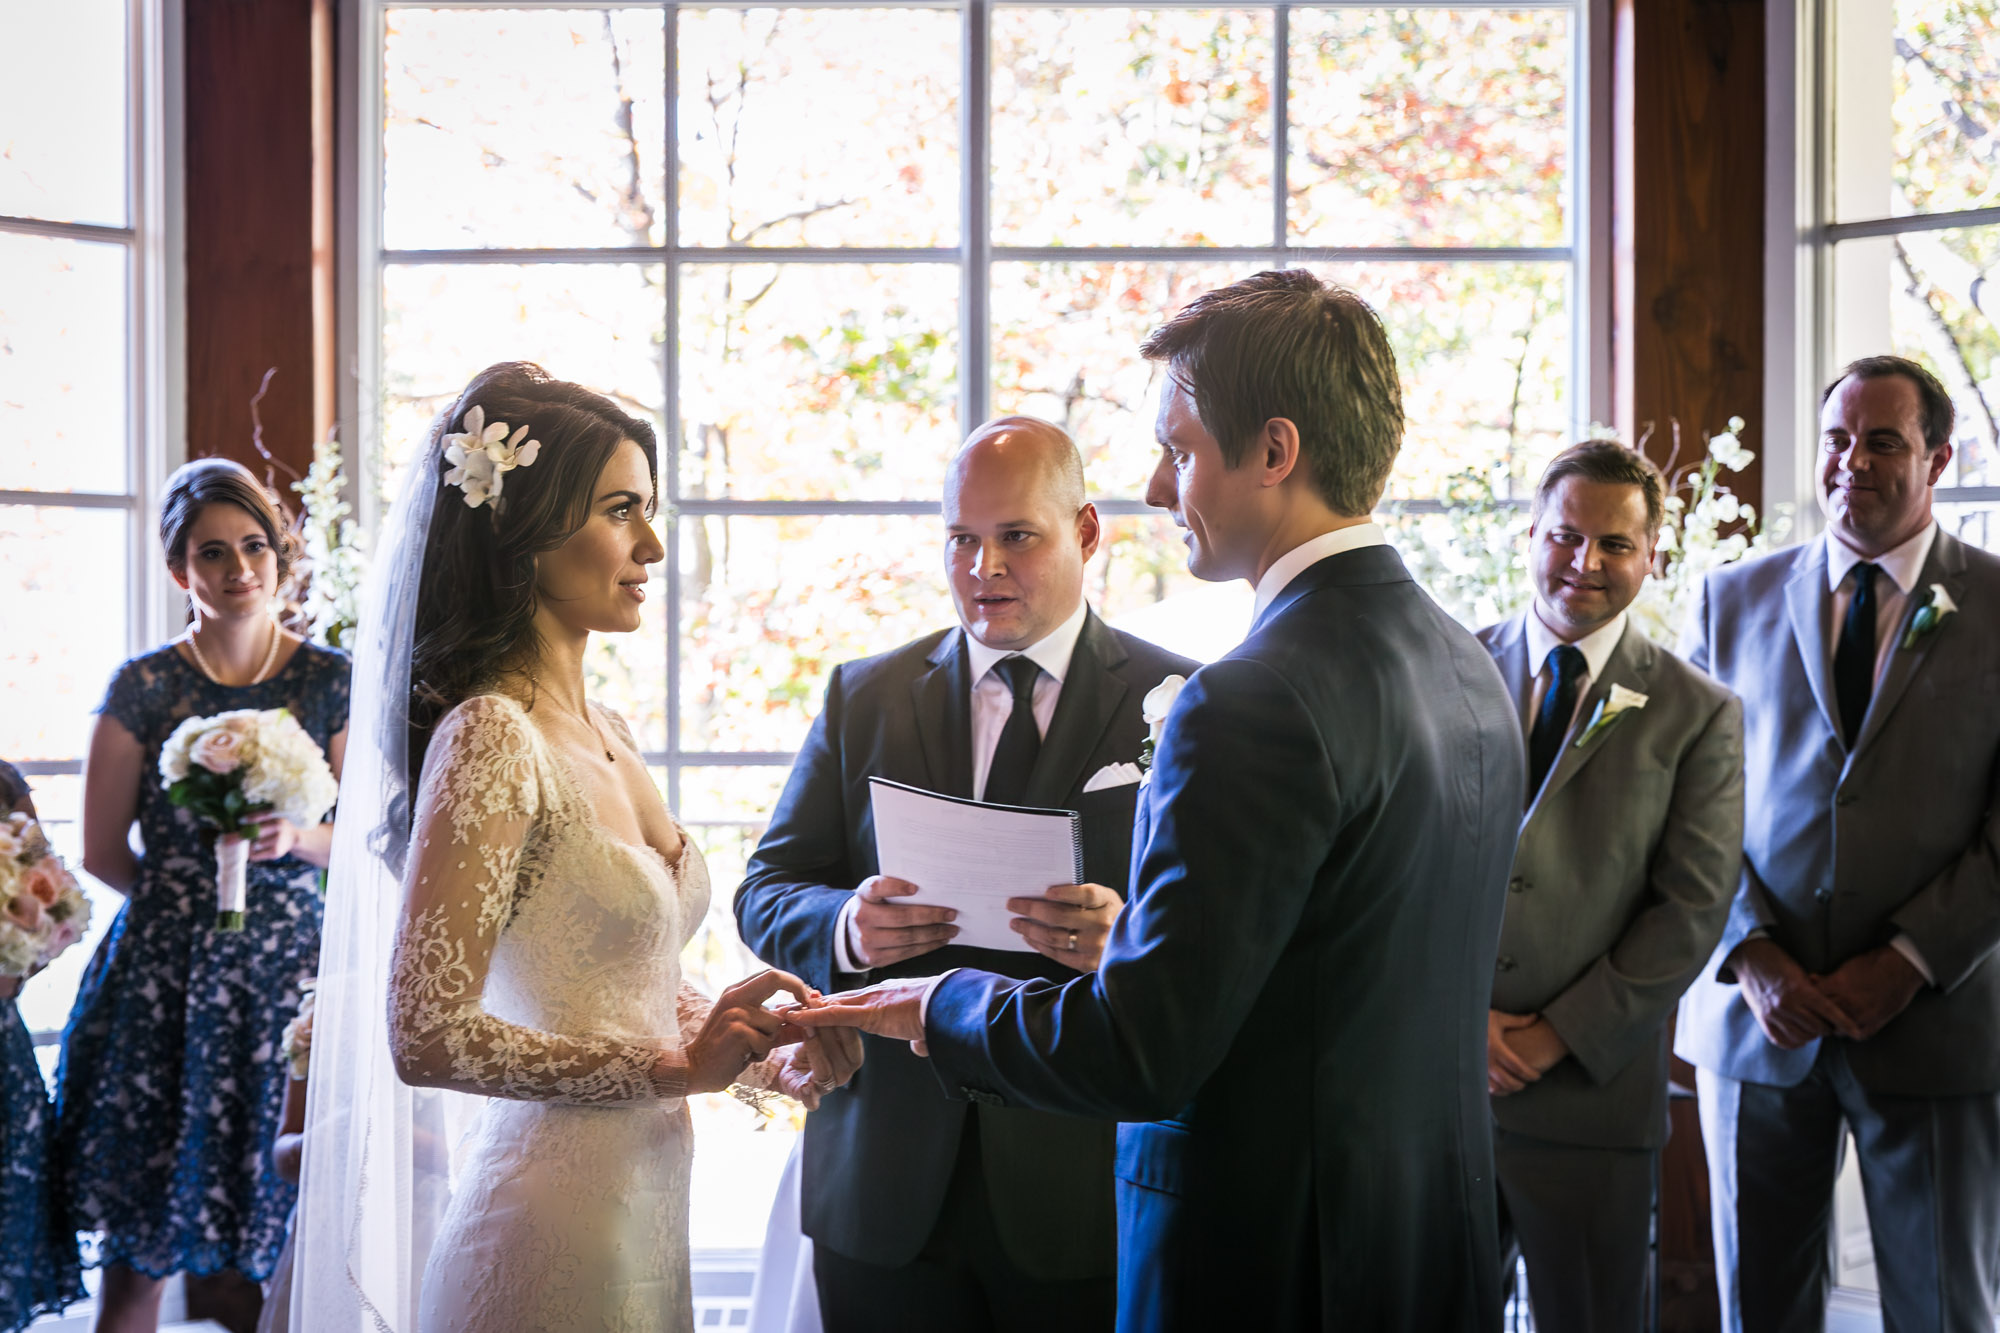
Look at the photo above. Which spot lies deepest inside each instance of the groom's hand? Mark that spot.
(885, 932)
(1069, 923)
(893, 1009)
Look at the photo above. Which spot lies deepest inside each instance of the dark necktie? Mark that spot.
(1854, 658)
(1552, 722)
(1020, 741)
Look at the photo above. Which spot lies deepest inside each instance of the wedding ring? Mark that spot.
(827, 1086)
(1072, 942)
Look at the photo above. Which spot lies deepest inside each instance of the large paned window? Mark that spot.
(1909, 94)
(815, 244)
(81, 397)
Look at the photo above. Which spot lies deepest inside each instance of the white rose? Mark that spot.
(1159, 701)
(221, 750)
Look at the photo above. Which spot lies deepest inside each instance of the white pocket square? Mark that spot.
(1113, 775)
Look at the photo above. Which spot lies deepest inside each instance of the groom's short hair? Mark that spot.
(1285, 344)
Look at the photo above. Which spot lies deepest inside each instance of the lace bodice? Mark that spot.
(539, 956)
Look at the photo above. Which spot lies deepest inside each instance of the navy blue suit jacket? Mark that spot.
(1293, 1004)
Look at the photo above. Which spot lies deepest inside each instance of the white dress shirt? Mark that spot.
(1904, 565)
(1596, 647)
(992, 702)
(1309, 553)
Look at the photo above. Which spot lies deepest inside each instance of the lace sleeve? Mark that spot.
(476, 808)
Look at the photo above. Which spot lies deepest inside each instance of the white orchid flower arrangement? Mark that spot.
(482, 455)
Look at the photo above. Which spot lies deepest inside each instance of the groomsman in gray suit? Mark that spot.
(1621, 884)
(1856, 987)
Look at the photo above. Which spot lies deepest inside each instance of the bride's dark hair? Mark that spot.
(475, 617)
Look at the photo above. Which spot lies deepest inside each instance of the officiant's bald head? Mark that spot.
(1018, 531)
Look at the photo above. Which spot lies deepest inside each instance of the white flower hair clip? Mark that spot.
(482, 455)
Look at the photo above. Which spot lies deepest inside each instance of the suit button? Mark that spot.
(1517, 885)
(1505, 962)
(1843, 798)
(1823, 895)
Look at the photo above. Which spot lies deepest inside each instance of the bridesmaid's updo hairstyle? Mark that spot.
(476, 599)
(208, 481)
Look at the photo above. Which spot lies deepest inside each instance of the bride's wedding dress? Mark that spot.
(541, 968)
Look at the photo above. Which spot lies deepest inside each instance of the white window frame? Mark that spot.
(155, 426)
(1808, 91)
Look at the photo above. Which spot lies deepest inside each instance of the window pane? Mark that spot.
(1977, 523)
(1944, 313)
(1139, 583)
(1483, 349)
(1429, 126)
(818, 381)
(55, 663)
(1066, 348)
(819, 127)
(1915, 86)
(1132, 127)
(628, 672)
(62, 365)
(523, 128)
(63, 112)
(771, 605)
(597, 324)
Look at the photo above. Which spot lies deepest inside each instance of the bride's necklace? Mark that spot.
(270, 656)
(595, 730)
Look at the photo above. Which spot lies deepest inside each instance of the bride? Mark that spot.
(545, 895)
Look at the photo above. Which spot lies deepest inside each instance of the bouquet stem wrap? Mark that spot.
(232, 877)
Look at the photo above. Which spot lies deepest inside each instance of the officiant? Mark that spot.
(928, 1213)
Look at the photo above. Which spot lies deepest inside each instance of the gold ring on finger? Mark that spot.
(1072, 942)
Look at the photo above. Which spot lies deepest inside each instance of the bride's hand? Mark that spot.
(741, 1030)
(816, 1066)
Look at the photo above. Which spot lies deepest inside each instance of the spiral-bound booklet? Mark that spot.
(973, 856)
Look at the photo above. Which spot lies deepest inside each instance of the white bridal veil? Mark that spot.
(377, 1155)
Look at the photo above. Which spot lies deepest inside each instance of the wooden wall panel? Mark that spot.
(259, 227)
(1688, 221)
(1688, 345)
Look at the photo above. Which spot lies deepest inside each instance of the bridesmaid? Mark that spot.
(168, 1094)
(38, 1266)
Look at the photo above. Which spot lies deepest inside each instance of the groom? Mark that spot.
(1293, 1002)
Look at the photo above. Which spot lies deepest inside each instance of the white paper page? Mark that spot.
(971, 857)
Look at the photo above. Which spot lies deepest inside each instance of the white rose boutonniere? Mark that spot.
(1159, 701)
(1929, 617)
(1609, 709)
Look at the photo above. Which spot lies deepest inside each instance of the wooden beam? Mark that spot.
(1688, 348)
(260, 295)
(1688, 223)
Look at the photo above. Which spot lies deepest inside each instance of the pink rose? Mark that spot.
(44, 881)
(219, 751)
(25, 912)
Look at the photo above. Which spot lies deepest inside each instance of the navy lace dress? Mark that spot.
(171, 1081)
(38, 1268)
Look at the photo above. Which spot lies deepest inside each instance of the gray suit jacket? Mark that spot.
(1841, 851)
(1621, 885)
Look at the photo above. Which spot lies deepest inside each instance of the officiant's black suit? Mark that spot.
(1294, 998)
(880, 1153)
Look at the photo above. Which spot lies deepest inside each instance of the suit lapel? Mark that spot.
(1085, 710)
(1631, 665)
(942, 702)
(1807, 602)
(1946, 565)
(1512, 659)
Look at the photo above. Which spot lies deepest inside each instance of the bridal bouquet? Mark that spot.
(228, 769)
(42, 909)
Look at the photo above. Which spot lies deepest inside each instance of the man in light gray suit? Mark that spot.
(1621, 884)
(1856, 986)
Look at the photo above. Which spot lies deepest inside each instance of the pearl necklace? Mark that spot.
(270, 656)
